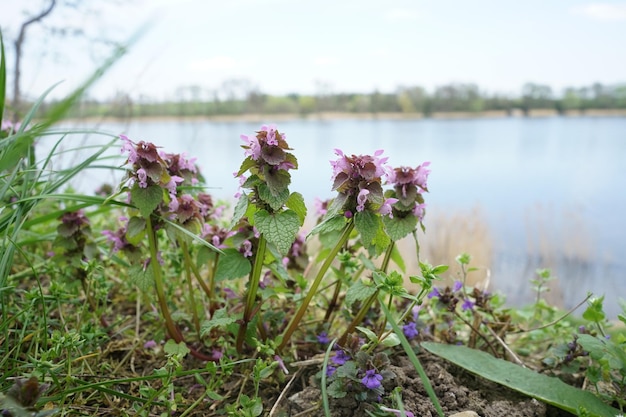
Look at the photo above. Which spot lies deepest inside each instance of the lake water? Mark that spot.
(552, 190)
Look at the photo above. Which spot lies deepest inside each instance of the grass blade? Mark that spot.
(3, 77)
(412, 357)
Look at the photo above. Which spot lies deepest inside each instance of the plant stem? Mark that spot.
(253, 286)
(158, 283)
(359, 317)
(368, 303)
(316, 282)
(383, 267)
(192, 299)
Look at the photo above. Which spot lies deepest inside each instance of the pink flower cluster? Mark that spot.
(268, 146)
(409, 184)
(358, 178)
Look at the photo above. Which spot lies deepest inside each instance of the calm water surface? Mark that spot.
(561, 179)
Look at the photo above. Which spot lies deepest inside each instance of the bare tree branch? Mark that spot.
(19, 42)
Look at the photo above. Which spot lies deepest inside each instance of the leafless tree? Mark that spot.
(19, 44)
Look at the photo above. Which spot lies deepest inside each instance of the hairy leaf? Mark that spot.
(146, 199)
(279, 229)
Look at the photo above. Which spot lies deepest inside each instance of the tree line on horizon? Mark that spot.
(237, 97)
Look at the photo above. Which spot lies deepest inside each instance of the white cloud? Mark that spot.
(402, 15)
(219, 62)
(602, 11)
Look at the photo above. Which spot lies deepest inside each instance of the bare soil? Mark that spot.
(456, 389)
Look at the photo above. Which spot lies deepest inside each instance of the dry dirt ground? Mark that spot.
(456, 389)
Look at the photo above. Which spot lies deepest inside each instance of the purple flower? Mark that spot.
(340, 357)
(404, 177)
(434, 293)
(129, 146)
(467, 304)
(246, 248)
(116, 239)
(216, 355)
(150, 344)
(323, 338)
(385, 209)
(252, 146)
(321, 207)
(281, 364)
(410, 330)
(457, 286)
(330, 370)
(349, 171)
(361, 199)
(268, 147)
(8, 125)
(371, 380)
(419, 210)
(143, 178)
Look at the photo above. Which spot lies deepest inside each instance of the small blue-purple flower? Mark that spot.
(457, 286)
(340, 357)
(410, 330)
(467, 304)
(323, 338)
(434, 293)
(371, 380)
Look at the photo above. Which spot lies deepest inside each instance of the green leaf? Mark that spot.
(368, 333)
(381, 241)
(277, 180)
(16, 150)
(391, 340)
(336, 389)
(296, 203)
(279, 229)
(146, 199)
(135, 230)
(348, 370)
(246, 165)
(232, 264)
(173, 348)
(439, 269)
(367, 262)
(397, 228)
(593, 345)
(367, 224)
(595, 311)
(329, 224)
(397, 258)
(275, 200)
(358, 292)
(221, 318)
(240, 210)
(550, 390)
(142, 278)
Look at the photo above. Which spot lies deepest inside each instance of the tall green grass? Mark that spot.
(25, 183)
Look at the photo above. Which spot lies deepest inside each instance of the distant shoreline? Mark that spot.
(327, 116)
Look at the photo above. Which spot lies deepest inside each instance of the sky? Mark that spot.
(308, 47)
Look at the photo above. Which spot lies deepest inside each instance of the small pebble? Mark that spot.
(465, 414)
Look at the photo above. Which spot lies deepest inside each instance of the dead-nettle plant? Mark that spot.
(269, 207)
(168, 209)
